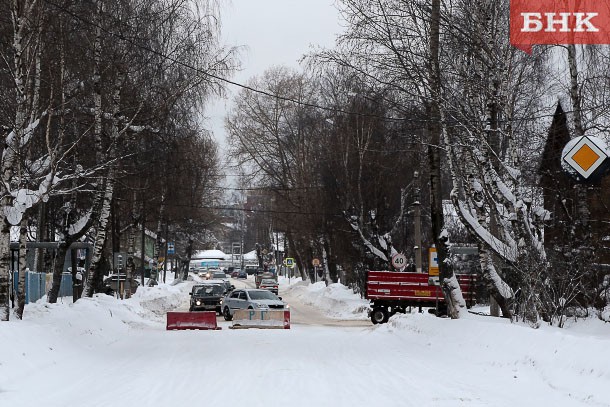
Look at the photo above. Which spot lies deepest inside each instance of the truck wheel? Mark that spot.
(379, 315)
(227, 314)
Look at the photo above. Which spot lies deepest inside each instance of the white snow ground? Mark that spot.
(106, 352)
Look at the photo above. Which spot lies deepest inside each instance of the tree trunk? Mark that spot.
(130, 267)
(498, 289)
(159, 240)
(189, 254)
(446, 275)
(94, 272)
(58, 269)
(100, 238)
(76, 284)
(41, 236)
(9, 154)
(22, 272)
(5, 269)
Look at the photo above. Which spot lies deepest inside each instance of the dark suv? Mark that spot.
(207, 297)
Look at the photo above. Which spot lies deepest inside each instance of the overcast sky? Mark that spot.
(275, 32)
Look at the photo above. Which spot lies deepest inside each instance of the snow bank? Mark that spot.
(337, 301)
(113, 352)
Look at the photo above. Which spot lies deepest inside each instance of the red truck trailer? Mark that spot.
(391, 292)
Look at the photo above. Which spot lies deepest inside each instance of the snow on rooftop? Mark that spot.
(211, 255)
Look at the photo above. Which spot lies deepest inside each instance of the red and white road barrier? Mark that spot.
(257, 318)
(191, 320)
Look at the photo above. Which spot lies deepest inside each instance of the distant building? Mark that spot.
(150, 239)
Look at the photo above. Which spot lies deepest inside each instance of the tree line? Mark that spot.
(421, 105)
(101, 107)
(427, 103)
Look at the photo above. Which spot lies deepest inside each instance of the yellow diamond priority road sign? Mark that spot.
(584, 155)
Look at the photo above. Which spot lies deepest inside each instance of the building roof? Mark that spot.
(210, 255)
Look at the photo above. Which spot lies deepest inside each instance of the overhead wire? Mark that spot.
(256, 90)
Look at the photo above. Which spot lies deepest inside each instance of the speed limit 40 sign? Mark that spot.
(399, 261)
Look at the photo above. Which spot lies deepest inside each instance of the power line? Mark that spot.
(270, 189)
(252, 89)
(256, 210)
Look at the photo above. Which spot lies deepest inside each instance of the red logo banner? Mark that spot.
(534, 22)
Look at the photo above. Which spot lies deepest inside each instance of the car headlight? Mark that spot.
(220, 302)
(198, 302)
(287, 306)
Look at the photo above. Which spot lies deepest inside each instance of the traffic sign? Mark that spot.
(585, 155)
(399, 261)
(171, 248)
(315, 262)
(432, 262)
(289, 262)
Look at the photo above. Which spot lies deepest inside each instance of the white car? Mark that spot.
(204, 273)
(250, 298)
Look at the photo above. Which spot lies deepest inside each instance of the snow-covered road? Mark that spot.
(103, 352)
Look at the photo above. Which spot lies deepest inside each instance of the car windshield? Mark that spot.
(219, 275)
(210, 290)
(262, 295)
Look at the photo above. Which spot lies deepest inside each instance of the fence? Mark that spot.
(38, 284)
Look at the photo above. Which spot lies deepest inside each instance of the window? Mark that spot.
(263, 295)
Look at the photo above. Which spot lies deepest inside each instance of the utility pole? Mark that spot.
(143, 245)
(417, 223)
(241, 243)
(166, 254)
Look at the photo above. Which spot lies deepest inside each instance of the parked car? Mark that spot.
(242, 274)
(250, 298)
(235, 273)
(269, 284)
(207, 297)
(110, 283)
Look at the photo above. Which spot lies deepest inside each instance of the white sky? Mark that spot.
(275, 32)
